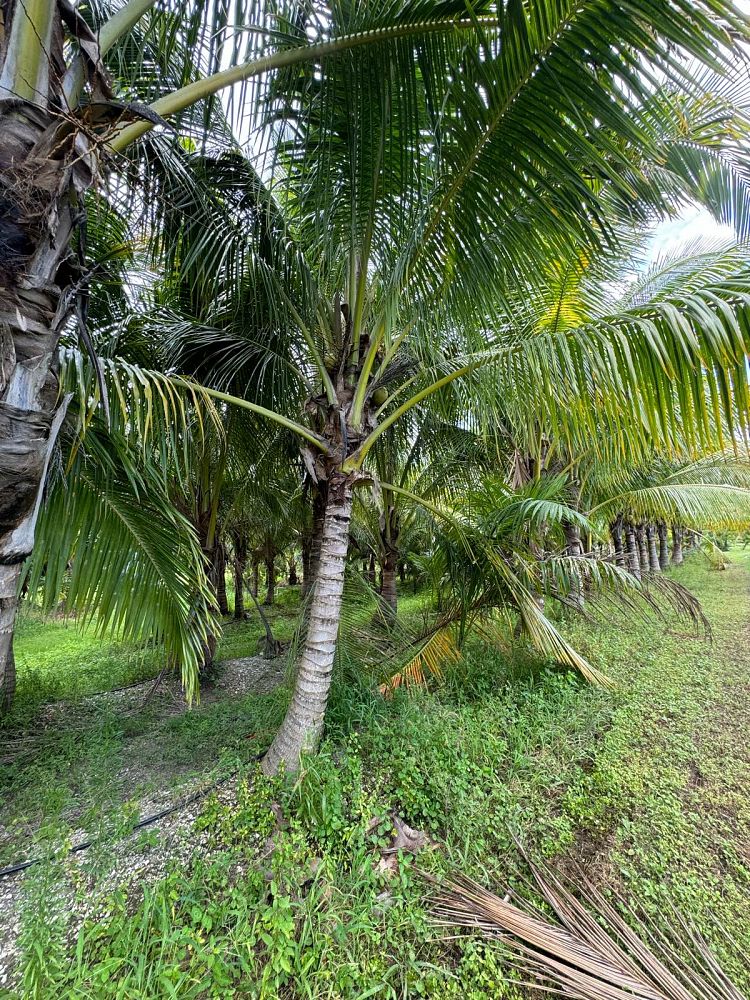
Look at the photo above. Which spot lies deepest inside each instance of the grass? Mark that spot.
(647, 786)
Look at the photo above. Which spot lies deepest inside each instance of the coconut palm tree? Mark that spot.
(68, 88)
(405, 225)
(422, 157)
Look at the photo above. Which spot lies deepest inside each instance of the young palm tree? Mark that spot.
(404, 202)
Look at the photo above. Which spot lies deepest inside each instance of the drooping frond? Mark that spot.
(680, 363)
(158, 415)
(112, 547)
(698, 505)
(430, 660)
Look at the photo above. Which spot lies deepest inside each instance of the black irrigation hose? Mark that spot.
(153, 818)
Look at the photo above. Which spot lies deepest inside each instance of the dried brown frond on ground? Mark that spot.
(591, 949)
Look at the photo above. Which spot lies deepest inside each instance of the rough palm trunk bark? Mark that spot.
(388, 590)
(239, 564)
(319, 502)
(293, 572)
(389, 535)
(676, 545)
(572, 539)
(221, 578)
(653, 555)
(631, 548)
(255, 586)
(302, 727)
(640, 534)
(42, 179)
(7, 659)
(663, 546)
(270, 581)
(574, 548)
(615, 530)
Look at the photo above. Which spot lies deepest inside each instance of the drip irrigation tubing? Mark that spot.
(146, 821)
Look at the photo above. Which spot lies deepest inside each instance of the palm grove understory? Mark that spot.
(403, 318)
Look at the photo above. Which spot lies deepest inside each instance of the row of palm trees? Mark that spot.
(407, 310)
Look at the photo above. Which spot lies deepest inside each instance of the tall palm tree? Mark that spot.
(409, 253)
(68, 88)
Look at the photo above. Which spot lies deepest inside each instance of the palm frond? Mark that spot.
(593, 947)
(112, 547)
(430, 660)
(699, 505)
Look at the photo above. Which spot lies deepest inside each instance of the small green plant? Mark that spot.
(249, 818)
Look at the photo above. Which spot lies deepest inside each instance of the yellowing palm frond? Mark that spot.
(434, 654)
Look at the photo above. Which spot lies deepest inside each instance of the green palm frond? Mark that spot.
(699, 505)
(159, 415)
(111, 545)
(680, 363)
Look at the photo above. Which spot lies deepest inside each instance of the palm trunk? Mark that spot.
(615, 530)
(221, 578)
(239, 564)
(8, 606)
(402, 572)
(42, 179)
(640, 534)
(292, 572)
(574, 548)
(255, 586)
(270, 581)
(388, 589)
(653, 555)
(303, 725)
(320, 498)
(663, 546)
(631, 548)
(389, 535)
(370, 576)
(676, 545)
(572, 539)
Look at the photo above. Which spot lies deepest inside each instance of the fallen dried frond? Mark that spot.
(596, 949)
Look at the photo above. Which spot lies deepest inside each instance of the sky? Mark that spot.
(693, 223)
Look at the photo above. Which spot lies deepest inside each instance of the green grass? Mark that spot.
(60, 659)
(648, 786)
